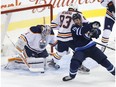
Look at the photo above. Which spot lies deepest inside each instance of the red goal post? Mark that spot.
(31, 7)
(17, 9)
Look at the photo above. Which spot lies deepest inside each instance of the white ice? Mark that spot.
(98, 76)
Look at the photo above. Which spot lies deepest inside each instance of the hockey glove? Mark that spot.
(95, 24)
(95, 33)
(111, 7)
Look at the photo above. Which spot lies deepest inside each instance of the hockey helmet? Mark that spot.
(73, 6)
(76, 16)
(46, 30)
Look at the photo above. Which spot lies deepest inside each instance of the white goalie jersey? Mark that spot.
(36, 39)
(64, 23)
(33, 38)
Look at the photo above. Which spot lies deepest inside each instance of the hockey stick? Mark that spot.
(52, 49)
(30, 68)
(24, 60)
(105, 46)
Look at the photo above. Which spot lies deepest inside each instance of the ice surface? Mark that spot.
(98, 76)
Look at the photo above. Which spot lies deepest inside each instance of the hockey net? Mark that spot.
(15, 21)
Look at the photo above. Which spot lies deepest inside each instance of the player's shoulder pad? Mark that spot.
(74, 27)
(36, 29)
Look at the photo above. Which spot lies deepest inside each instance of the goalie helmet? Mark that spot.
(46, 30)
(73, 6)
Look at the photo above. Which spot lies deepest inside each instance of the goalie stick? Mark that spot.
(105, 46)
(24, 60)
(52, 49)
(29, 67)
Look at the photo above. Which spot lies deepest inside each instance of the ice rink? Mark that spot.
(98, 76)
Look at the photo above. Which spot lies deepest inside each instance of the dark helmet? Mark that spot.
(76, 16)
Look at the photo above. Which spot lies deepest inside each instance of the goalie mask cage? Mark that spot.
(20, 19)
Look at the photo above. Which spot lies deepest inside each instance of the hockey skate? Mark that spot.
(53, 64)
(68, 78)
(83, 69)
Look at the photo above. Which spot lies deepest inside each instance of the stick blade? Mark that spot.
(37, 70)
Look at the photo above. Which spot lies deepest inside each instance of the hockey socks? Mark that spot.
(106, 63)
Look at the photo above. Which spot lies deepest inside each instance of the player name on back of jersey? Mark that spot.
(67, 12)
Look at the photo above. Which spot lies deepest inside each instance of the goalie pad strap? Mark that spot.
(15, 59)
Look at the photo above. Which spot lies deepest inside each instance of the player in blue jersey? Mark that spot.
(86, 47)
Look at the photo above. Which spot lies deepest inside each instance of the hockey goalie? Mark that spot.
(31, 47)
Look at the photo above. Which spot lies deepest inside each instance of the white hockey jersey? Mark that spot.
(64, 22)
(33, 38)
(109, 14)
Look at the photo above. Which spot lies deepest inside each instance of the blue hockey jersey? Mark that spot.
(81, 38)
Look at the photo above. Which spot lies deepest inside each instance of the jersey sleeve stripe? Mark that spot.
(23, 38)
(110, 14)
(78, 31)
(64, 35)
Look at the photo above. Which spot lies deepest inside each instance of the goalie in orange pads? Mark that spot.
(33, 46)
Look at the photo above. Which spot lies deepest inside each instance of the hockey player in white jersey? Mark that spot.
(63, 23)
(109, 21)
(33, 45)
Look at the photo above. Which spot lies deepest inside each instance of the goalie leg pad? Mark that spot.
(17, 63)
